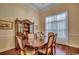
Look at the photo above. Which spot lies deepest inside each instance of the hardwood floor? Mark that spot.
(60, 50)
(10, 52)
(66, 50)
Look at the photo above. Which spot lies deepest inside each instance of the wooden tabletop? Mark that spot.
(36, 44)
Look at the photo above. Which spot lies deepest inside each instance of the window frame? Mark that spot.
(67, 13)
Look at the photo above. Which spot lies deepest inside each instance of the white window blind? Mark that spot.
(58, 24)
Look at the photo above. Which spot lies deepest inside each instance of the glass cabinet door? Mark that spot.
(20, 28)
(31, 28)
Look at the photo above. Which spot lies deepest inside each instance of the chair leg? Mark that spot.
(36, 51)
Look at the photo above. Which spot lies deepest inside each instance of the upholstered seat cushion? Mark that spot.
(27, 52)
(31, 38)
(43, 51)
(30, 52)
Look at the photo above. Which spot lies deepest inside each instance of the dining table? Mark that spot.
(36, 44)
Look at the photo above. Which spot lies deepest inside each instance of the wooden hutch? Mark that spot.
(23, 27)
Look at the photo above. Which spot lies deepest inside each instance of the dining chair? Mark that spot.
(29, 50)
(48, 49)
(25, 50)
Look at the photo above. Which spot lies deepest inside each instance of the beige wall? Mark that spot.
(73, 21)
(10, 12)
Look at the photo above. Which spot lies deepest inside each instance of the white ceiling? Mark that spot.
(42, 6)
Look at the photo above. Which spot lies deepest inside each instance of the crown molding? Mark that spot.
(36, 8)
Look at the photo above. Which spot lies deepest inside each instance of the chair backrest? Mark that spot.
(31, 37)
(19, 40)
(51, 37)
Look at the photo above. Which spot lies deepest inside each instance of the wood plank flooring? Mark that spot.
(60, 50)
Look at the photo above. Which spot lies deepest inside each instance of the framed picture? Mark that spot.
(6, 24)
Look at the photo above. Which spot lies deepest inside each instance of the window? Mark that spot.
(58, 24)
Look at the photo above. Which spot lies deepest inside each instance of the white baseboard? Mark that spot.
(5, 49)
(76, 46)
